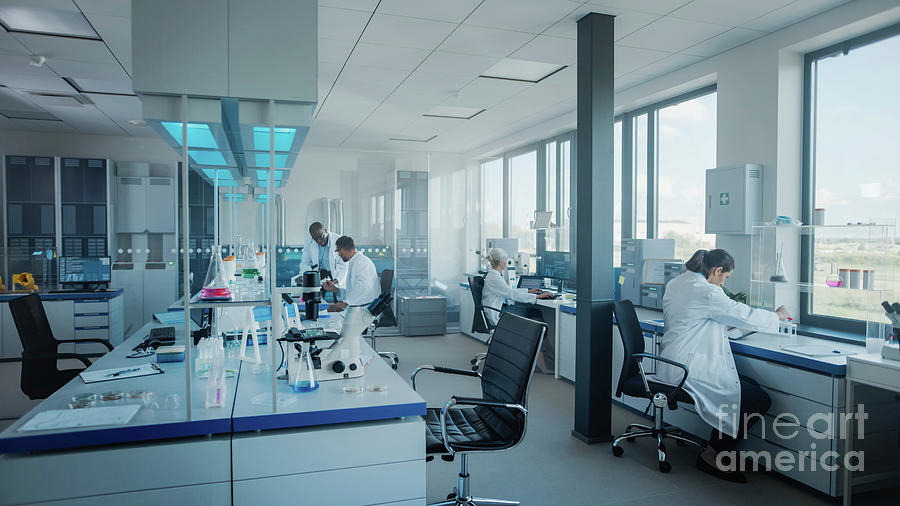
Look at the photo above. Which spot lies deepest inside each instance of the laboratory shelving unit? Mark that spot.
(861, 247)
(411, 248)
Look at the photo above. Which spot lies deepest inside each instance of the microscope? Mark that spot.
(341, 359)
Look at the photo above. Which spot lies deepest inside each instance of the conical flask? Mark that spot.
(779, 274)
(215, 286)
(248, 262)
(305, 377)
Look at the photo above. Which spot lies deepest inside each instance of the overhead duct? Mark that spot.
(231, 58)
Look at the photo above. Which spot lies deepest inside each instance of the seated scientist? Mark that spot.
(497, 293)
(320, 251)
(697, 315)
(362, 285)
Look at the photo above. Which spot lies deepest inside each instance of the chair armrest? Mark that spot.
(492, 308)
(472, 401)
(57, 356)
(90, 340)
(437, 368)
(684, 368)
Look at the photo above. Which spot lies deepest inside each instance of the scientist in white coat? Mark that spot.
(697, 316)
(362, 286)
(320, 251)
(497, 293)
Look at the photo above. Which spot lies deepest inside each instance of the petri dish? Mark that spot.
(353, 389)
(81, 404)
(84, 397)
(137, 395)
(377, 388)
(111, 396)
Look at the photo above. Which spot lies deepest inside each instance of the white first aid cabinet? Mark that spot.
(733, 199)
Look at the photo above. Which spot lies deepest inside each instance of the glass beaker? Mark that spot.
(304, 372)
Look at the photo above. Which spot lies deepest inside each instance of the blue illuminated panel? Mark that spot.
(263, 175)
(284, 137)
(262, 160)
(199, 135)
(207, 157)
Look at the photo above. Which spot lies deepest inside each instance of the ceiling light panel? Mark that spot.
(407, 138)
(521, 70)
(101, 86)
(28, 18)
(449, 111)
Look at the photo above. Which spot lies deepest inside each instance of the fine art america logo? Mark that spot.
(788, 426)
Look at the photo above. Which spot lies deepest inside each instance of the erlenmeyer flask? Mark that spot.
(779, 274)
(248, 262)
(305, 377)
(215, 286)
(832, 279)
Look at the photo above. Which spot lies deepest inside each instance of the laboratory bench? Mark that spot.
(308, 449)
(812, 388)
(72, 315)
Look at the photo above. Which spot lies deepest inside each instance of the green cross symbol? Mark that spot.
(723, 199)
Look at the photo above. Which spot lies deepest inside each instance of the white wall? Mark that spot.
(759, 105)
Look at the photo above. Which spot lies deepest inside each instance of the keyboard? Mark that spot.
(162, 333)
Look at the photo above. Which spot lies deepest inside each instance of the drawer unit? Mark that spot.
(91, 307)
(422, 316)
(88, 321)
(800, 383)
(651, 296)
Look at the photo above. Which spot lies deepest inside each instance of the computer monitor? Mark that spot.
(85, 270)
(555, 264)
(531, 282)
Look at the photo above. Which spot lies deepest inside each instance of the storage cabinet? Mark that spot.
(84, 207)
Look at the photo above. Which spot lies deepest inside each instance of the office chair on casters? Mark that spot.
(387, 318)
(40, 375)
(480, 321)
(633, 381)
(497, 420)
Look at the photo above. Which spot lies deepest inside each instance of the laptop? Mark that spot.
(531, 282)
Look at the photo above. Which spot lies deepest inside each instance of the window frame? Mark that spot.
(808, 183)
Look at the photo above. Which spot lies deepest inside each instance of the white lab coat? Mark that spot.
(311, 257)
(363, 285)
(697, 314)
(497, 292)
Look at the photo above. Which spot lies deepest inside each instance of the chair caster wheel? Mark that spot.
(394, 366)
(618, 451)
(473, 362)
(664, 466)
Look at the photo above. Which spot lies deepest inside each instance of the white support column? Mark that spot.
(270, 254)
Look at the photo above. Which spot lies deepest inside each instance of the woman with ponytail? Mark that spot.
(697, 315)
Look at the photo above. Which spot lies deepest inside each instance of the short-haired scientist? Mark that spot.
(697, 314)
(362, 286)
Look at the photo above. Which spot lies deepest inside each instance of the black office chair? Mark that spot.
(387, 318)
(480, 321)
(40, 375)
(497, 420)
(633, 381)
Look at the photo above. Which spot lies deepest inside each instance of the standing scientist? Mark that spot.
(320, 253)
(697, 315)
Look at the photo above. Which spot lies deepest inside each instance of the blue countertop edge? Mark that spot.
(6, 297)
(330, 417)
(113, 435)
(788, 359)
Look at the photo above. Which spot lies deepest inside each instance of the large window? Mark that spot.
(851, 167)
(639, 157)
(617, 193)
(491, 199)
(687, 148)
(523, 202)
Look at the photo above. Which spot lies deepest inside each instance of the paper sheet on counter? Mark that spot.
(86, 417)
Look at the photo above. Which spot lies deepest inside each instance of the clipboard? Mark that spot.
(118, 373)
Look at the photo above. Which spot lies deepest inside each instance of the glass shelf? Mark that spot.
(812, 286)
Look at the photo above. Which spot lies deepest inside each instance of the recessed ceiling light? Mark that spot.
(23, 18)
(454, 112)
(37, 61)
(137, 122)
(522, 70)
(412, 139)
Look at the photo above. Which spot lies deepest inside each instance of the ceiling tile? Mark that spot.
(102, 71)
(628, 80)
(327, 133)
(111, 28)
(791, 13)
(42, 126)
(532, 16)
(117, 107)
(628, 59)
(121, 8)
(629, 22)
(547, 49)
(406, 32)
(390, 118)
(492, 88)
(334, 51)
(359, 5)
(720, 43)
(66, 48)
(9, 45)
(415, 99)
(103, 86)
(376, 83)
(669, 64)
(341, 24)
(728, 12)
(388, 57)
(122, 52)
(42, 82)
(482, 41)
(430, 81)
(568, 26)
(565, 78)
(328, 72)
(427, 126)
(86, 119)
(364, 139)
(671, 34)
(452, 11)
(465, 65)
(651, 6)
